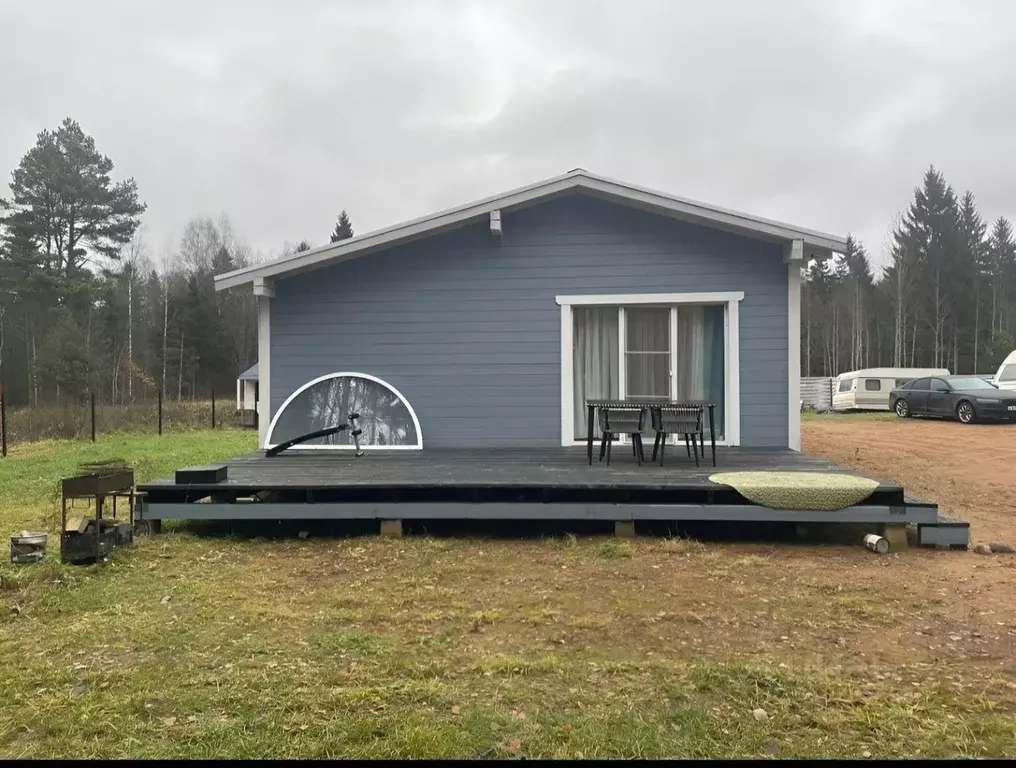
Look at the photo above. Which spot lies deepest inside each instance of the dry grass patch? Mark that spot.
(469, 648)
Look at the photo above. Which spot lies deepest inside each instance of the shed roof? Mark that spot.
(251, 374)
(815, 243)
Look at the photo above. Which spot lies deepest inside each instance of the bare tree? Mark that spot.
(132, 257)
(168, 261)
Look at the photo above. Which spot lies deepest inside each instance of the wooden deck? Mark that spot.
(555, 483)
(493, 468)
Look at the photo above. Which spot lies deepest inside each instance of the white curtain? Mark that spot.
(595, 359)
(647, 352)
(700, 368)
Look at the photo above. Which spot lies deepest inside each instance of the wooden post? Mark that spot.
(213, 406)
(897, 535)
(624, 529)
(391, 528)
(91, 401)
(3, 424)
(160, 410)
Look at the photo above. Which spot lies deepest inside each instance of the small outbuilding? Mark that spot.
(247, 397)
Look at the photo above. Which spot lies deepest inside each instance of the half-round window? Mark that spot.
(386, 417)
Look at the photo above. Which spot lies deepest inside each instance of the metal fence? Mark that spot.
(817, 392)
(85, 419)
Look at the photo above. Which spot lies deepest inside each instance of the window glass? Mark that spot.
(846, 385)
(384, 417)
(872, 385)
(921, 384)
(647, 353)
(937, 385)
(902, 383)
(972, 382)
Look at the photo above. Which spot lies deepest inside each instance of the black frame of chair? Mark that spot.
(608, 435)
(690, 438)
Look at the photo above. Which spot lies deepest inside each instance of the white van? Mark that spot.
(868, 390)
(1005, 376)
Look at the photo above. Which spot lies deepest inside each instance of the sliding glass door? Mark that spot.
(648, 352)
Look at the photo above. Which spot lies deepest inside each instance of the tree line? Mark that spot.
(86, 306)
(945, 299)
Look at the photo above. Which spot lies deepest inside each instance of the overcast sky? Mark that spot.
(823, 114)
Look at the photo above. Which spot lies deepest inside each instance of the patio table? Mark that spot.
(592, 405)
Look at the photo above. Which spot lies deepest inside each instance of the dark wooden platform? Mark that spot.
(555, 483)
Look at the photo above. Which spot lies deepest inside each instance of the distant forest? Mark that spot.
(946, 299)
(86, 306)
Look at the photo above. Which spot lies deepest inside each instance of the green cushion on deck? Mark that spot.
(826, 491)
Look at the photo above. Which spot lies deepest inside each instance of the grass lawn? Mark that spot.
(210, 646)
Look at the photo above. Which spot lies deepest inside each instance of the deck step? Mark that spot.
(212, 473)
(947, 533)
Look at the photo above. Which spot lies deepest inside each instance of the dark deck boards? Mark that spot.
(500, 484)
(484, 467)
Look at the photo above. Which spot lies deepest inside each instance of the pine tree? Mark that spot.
(929, 233)
(973, 255)
(343, 228)
(1001, 262)
(62, 197)
(64, 362)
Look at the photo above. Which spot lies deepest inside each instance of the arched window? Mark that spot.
(386, 417)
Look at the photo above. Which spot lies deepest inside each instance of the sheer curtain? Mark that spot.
(647, 352)
(595, 359)
(700, 371)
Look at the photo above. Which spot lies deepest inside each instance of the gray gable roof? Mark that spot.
(815, 243)
(251, 374)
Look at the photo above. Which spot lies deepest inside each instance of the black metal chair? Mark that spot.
(675, 420)
(622, 420)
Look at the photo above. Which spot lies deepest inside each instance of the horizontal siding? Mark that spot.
(466, 327)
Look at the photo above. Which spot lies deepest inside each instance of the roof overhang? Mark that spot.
(796, 240)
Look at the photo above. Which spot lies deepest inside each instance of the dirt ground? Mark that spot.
(968, 599)
(969, 470)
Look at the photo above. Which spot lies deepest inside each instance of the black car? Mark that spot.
(967, 398)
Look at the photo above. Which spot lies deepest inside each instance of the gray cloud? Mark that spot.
(825, 114)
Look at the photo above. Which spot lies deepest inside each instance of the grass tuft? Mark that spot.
(614, 549)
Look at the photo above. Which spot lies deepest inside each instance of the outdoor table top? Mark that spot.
(648, 403)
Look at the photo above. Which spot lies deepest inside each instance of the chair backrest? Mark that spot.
(677, 419)
(623, 419)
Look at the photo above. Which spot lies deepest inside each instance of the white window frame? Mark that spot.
(731, 351)
(417, 446)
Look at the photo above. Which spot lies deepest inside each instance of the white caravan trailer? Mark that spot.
(1005, 376)
(868, 390)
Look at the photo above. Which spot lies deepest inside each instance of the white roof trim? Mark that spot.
(814, 242)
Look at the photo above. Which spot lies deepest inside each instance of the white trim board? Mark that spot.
(817, 244)
(264, 402)
(731, 348)
(794, 352)
(418, 446)
(619, 299)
